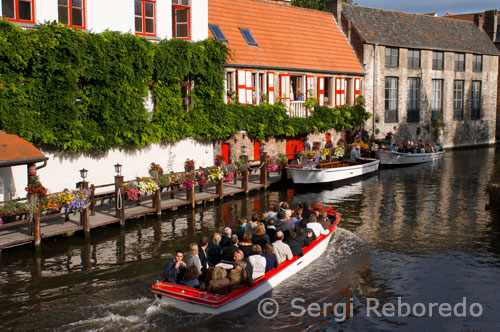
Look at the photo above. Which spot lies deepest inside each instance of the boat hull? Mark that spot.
(312, 175)
(397, 158)
(194, 301)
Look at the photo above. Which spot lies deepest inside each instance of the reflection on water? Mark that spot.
(419, 233)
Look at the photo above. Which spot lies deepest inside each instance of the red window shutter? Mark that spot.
(340, 91)
(357, 89)
(256, 150)
(321, 91)
(270, 88)
(242, 87)
(249, 86)
(309, 87)
(285, 89)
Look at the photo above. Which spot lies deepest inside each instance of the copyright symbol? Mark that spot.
(268, 308)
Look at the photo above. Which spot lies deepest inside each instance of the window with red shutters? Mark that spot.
(72, 13)
(321, 91)
(145, 17)
(181, 19)
(22, 11)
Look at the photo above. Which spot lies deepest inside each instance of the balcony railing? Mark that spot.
(297, 109)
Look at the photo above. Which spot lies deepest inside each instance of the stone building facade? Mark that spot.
(427, 78)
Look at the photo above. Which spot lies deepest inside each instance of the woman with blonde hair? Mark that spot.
(219, 284)
(191, 258)
(260, 237)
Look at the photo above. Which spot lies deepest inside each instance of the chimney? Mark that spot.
(490, 24)
(335, 7)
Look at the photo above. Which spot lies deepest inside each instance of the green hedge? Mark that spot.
(69, 90)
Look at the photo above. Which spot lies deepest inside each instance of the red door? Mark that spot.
(328, 138)
(256, 151)
(225, 152)
(294, 145)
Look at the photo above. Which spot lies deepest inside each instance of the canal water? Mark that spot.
(411, 236)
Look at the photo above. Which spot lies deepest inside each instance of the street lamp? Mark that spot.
(263, 146)
(83, 173)
(118, 169)
(244, 149)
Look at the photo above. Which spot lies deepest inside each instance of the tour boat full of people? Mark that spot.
(240, 266)
(410, 153)
(315, 172)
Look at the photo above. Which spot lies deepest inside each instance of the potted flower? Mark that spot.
(271, 164)
(131, 192)
(165, 180)
(282, 160)
(219, 160)
(155, 171)
(324, 153)
(189, 165)
(338, 152)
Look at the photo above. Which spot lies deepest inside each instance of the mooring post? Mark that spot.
(244, 180)
(191, 196)
(84, 215)
(157, 200)
(263, 169)
(119, 199)
(36, 226)
(220, 188)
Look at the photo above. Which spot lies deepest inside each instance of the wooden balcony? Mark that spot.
(297, 109)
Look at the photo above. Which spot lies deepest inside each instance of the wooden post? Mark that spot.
(86, 256)
(191, 196)
(84, 215)
(283, 174)
(36, 227)
(118, 196)
(220, 188)
(263, 169)
(92, 200)
(244, 174)
(157, 200)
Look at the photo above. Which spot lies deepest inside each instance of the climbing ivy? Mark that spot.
(68, 90)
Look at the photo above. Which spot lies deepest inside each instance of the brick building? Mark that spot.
(427, 77)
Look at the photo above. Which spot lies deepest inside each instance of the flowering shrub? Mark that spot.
(131, 191)
(165, 180)
(16, 207)
(229, 177)
(219, 160)
(324, 153)
(155, 170)
(51, 203)
(309, 155)
(187, 180)
(214, 173)
(189, 163)
(36, 188)
(271, 164)
(1, 222)
(147, 185)
(79, 201)
(282, 160)
(74, 200)
(338, 152)
(201, 177)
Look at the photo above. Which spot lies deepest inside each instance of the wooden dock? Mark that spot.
(106, 214)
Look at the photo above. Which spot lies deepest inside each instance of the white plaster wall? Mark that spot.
(199, 19)
(114, 15)
(164, 19)
(45, 11)
(62, 171)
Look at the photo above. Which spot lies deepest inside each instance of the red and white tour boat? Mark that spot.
(196, 301)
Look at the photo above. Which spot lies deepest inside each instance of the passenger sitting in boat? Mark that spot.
(281, 249)
(192, 258)
(214, 251)
(260, 237)
(246, 244)
(281, 224)
(252, 226)
(242, 228)
(289, 220)
(297, 216)
(436, 147)
(190, 278)
(258, 262)
(241, 275)
(355, 153)
(306, 207)
(174, 270)
(315, 226)
(219, 284)
(271, 230)
(228, 252)
(294, 245)
(264, 217)
(203, 255)
(324, 220)
(271, 260)
(226, 238)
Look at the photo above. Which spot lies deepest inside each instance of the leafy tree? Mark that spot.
(315, 4)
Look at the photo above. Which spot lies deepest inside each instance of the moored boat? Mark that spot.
(331, 172)
(399, 158)
(197, 301)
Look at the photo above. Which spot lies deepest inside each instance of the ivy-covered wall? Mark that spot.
(68, 90)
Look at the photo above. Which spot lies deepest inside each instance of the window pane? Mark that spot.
(77, 17)
(185, 2)
(62, 2)
(182, 15)
(182, 31)
(150, 25)
(76, 3)
(175, 2)
(63, 15)
(25, 10)
(138, 24)
(149, 8)
(138, 9)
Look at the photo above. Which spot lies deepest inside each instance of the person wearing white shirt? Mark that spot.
(315, 226)
(258, 262)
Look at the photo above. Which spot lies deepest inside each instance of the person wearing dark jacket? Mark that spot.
(215, 251)
(228, 252)
(294, 245)
(203, 255)
(241, 229)
(282, 225)
(226, 238)
(246, 244)
(271, 260)
(260, 237)
(174, 270)
(271, 230)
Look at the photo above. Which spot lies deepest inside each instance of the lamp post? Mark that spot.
(84, 215)
(244, 174)
(244, 149)
(262, 147)
(118, 169)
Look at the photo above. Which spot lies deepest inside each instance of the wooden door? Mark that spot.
(225, 152)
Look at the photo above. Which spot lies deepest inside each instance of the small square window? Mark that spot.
(218, 34)
(248, 36)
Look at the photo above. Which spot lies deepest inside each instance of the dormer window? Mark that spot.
(217, 32)
(248, 36)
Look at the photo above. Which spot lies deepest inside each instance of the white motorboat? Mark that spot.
(398, 158)
(197, 301)
(331, 172)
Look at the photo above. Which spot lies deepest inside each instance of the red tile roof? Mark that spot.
(15, 150)
(287, 37)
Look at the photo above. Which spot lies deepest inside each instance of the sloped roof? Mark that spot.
(398, 29)
(288, 37)
(15, 150)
